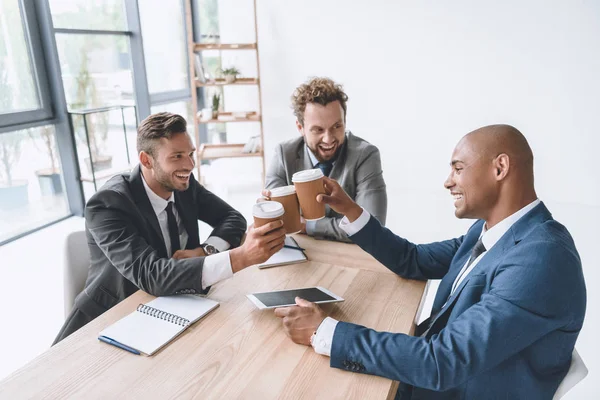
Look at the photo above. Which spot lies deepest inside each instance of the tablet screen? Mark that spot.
(288, 297)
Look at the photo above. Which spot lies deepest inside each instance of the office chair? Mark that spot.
(75, 269)
(577, 371)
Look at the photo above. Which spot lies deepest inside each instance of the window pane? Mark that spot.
(88, 14)
(163, 30)
(183, 108)
(18, 90)
(112, 145)
(209, 20)
(96, 70)
(31, 185)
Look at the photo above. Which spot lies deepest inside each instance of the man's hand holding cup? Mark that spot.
(338, 200)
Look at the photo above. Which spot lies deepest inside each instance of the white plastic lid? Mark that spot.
(283, 191)
(307, 175)
(267, 209)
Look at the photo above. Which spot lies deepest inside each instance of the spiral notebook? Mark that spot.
(151, 326)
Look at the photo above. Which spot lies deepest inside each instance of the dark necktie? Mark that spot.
(477, 250)
(325, 167)
(173, 228)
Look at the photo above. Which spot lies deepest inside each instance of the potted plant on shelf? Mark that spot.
(13, 193)
(230, 74)
(48, 178)
(216, 99)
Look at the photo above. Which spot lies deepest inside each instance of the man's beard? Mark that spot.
(163, 178)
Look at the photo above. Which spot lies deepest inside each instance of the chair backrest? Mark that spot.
(75, 270)
(577, 371)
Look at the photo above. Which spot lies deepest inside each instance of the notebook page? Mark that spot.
(187, 306)
(285, 255)
(142, 332)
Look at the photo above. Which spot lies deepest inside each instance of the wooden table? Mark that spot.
(237, 351)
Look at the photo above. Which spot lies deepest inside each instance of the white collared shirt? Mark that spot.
(217, 266)
(323, 340)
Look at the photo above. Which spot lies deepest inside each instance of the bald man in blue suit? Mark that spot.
(511, 301)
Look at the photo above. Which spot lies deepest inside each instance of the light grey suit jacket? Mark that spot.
(357, 169)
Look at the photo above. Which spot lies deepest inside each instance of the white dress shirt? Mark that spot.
(312, 225)
(217, 266)
(323, 340)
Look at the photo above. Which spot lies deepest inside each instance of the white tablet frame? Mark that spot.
(261, 306)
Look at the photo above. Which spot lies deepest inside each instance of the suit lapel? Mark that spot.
(511, 238)
(303, 161)
(338, 165)
(141, 200)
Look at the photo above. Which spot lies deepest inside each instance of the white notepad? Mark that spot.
(155, 324)
(286, 255)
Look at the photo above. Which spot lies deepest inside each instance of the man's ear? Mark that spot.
(501, 166)
(299, 127)
(145, 159)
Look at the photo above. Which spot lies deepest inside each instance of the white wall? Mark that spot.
(422, 74)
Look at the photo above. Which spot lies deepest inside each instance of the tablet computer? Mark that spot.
(285, 298)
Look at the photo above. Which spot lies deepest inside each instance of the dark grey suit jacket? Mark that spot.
(357, 169)
(127, 249)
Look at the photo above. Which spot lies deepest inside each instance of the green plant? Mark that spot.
(216, 99)
(86, 96)
(230, 71)
(47, 135)
(10, 152)
(10, 143)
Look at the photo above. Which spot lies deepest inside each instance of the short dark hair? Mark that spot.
(317, 90)
(158, 126)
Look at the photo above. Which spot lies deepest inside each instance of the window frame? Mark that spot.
(12, 121)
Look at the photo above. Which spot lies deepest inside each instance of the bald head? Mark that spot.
(493, 140)
(492, 173)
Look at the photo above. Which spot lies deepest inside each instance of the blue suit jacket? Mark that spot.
(508, 330)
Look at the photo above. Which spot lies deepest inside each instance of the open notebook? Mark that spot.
(155, 324)
(286, 255)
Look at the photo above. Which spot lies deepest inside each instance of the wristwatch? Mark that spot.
(209, 249)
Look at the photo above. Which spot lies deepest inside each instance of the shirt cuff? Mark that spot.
(354, 227)
(216, 268)
(324, 337)
(219, 243)
(311, 226)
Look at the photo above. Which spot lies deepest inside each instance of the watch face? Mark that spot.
(210, 249)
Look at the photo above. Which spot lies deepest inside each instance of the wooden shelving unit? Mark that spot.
(208, 151)
(216, 151)
(224, 46)
(252, 116)
(221, 82)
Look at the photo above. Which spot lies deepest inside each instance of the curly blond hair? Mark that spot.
(317, 90)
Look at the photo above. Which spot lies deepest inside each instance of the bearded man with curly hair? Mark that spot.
(320, 109)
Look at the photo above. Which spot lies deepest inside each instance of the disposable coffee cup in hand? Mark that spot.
(286, 195)
(309, 184)
(267, 211)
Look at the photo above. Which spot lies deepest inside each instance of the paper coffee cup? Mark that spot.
(286, 195)
(267, 211)
(308, 184)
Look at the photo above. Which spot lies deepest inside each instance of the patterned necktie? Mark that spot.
(325, 167)
(173, 228)
(477, 250)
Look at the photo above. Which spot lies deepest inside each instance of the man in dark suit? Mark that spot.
(511, 301)
(320, 110)
(142, 228)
